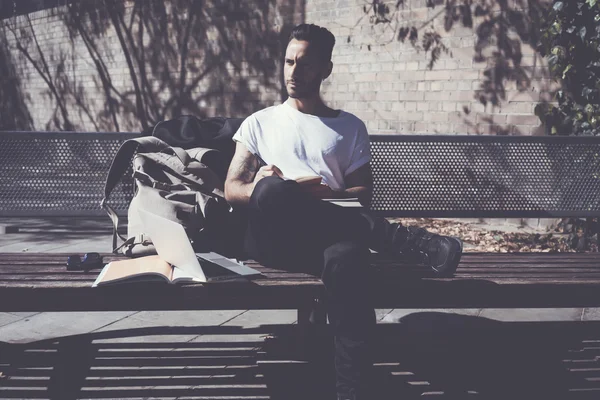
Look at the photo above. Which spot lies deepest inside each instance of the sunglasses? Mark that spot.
(90, 261)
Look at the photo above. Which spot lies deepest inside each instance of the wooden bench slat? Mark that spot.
(31, 282)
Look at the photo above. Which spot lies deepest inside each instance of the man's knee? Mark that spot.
(269, 191)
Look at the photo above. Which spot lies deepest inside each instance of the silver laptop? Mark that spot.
(173, 246)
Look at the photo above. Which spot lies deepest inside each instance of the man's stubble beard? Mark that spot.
(310, 90)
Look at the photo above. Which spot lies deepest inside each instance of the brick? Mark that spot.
(411, 86)
(411, 116)
(387, 96)
(410, 106)
(365, 115)
(436, 116)
(436, 86)
(456, 117)
(487, 118)
(398, 106)
(437, 96)
(448, 106)
(422, 106)
(523, 119)
(387, 67)
(381, 105)
(493, 129)
(421, 127)
(438, 75)
(464, 85)
(412, 75)
(517, 108)
(435, 105)
(451, 64)
(412, 66)
(397, 86)
(522, 130)
(343, 96)
(411, 96)
(366, 77)
(463, 129)
(365, 86)
(451, 85)
(365, 68)
(387, 76)
(367, 96)
(424, 65)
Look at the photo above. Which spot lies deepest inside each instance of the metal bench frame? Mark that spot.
(41, 283)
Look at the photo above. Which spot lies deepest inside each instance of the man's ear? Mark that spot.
(327, 70)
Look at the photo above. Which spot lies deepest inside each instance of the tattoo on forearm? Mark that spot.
(245, 170)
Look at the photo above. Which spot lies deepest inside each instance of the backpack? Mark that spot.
(175, 184)
(187, 131)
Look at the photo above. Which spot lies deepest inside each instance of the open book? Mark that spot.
(155, 269)
(349, 202)
(316, 180)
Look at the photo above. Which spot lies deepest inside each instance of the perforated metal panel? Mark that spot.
(59, 173)
(486, 176)
(46, 173)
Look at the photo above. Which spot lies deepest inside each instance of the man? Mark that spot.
(290, 227)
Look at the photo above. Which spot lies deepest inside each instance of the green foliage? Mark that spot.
(571, 42)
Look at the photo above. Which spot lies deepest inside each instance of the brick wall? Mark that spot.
(488, 83)
(123, 65)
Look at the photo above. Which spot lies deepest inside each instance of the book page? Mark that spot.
(135, 269)
(180, 275)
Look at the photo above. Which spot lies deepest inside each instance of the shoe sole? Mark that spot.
(453, 264)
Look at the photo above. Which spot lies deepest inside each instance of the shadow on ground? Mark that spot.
(425, 355)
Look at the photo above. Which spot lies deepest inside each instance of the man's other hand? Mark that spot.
(319, 191)
(267, 170)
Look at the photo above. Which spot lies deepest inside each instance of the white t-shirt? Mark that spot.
(306, 145)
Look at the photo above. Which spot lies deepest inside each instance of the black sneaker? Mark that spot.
(441, 253)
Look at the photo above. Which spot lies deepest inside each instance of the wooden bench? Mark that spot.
(62, 174)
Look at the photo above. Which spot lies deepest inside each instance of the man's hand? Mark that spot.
(267, 170)
(319, 190)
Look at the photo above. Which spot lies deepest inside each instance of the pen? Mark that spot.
(260, 160)
(263, 163)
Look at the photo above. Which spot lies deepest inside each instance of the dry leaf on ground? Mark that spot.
(477, 239)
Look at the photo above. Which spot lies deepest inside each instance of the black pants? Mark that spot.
(288, 229)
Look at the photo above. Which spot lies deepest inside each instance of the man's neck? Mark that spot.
(312, 106)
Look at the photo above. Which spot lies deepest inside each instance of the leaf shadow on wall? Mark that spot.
(14, 111)
(131, 65)
(501, 30)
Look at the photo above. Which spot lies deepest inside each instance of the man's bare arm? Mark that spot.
(359, 184)
(243, 174)
(239, 183)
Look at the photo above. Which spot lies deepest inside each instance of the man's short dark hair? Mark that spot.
(317, 36)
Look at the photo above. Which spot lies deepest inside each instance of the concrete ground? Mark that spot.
(128, 348)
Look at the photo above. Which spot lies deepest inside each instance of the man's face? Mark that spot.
(303, 70)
